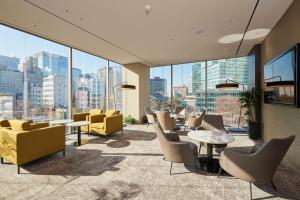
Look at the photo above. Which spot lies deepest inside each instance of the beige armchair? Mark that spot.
(194, 121)
(256, 164)
(165, 121)
(151, 116)
(213, 123)
(175, 150)
(180, 113)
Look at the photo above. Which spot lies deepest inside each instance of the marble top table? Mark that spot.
(210, 138)
(60, 122)
(78, 124)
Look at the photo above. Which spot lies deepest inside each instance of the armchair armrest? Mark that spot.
(39, 125)
(96, 118)
(80, 116)
(113, 124)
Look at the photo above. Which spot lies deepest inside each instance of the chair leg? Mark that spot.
(199, 149)
(18, 169)
(147, 125)
(171, 168)
(273, 185)
(164, 158)
(196, 163)
(184, 128)
(2, 161)
(250, 191)
(220, 171)
(64, 153)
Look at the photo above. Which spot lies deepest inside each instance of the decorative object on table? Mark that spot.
(249, 100)
(150, 116)
(231, 84)
(23, 144)
(194, 121)
(175, 150)
(211, 139)
(256, 164)
(166, 121)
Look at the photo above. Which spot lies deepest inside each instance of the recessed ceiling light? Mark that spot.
(256, 33)
(81, 19)
(34, 25)
(147, 9)
(198, 32)
(66, 11)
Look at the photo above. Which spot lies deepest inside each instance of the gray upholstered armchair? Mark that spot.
(256, 164)
(151, 116)
(165, 120)
(175, 150)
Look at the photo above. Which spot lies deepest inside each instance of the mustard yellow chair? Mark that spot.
(107, 123)
(21, 146)
(26, 125)
(86, 117)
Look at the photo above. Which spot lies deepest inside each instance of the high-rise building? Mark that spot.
(190, 84)
(10, 62)
(158, 85)
(52, 63)
(55, 92)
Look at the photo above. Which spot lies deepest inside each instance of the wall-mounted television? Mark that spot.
(281, 78)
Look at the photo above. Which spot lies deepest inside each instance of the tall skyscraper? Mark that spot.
(52, 63)
(158, 85)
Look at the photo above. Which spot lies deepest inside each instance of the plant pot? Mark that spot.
(254, 130)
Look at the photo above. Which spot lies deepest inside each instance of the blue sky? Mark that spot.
(20, 44)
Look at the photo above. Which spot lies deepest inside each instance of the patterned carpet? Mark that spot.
(131, 166)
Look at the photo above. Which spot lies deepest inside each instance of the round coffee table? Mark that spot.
(211, 138)
(78, 124)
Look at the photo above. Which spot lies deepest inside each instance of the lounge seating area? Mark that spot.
(149, 100)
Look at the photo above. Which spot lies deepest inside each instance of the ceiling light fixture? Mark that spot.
(147, 9)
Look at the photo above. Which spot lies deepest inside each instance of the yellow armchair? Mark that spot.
(21, 147)
(4, 123)
(86, 117)
(26, 125)
(106, 124)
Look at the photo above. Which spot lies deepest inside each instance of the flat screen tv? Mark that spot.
(281, 78)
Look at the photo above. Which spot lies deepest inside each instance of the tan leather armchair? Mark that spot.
(165, 121)
(175, 150)
(256, 164)
(180, 113)
(151, 116)
(194, 121)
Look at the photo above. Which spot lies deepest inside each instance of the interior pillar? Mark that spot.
(134, 101)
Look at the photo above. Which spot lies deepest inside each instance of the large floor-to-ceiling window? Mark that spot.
(33, 77)
(160, 88)
(189, 86)
(194, 87)
(88, 81)
(115, 79)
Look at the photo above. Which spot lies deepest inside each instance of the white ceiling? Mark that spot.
(175, 31)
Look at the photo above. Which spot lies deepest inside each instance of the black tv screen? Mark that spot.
(280, 78)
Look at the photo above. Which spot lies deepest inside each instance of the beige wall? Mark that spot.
(282, 121)
(134, 101)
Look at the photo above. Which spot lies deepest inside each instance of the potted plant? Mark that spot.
(129, 119)
(249, 100)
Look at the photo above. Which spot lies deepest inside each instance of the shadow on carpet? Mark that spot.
(77, 162)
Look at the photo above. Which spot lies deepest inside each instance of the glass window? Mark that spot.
(189, 86)
(88, 81)
(225, 101)
(33, 77)
(115, 78)
(160, 88)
